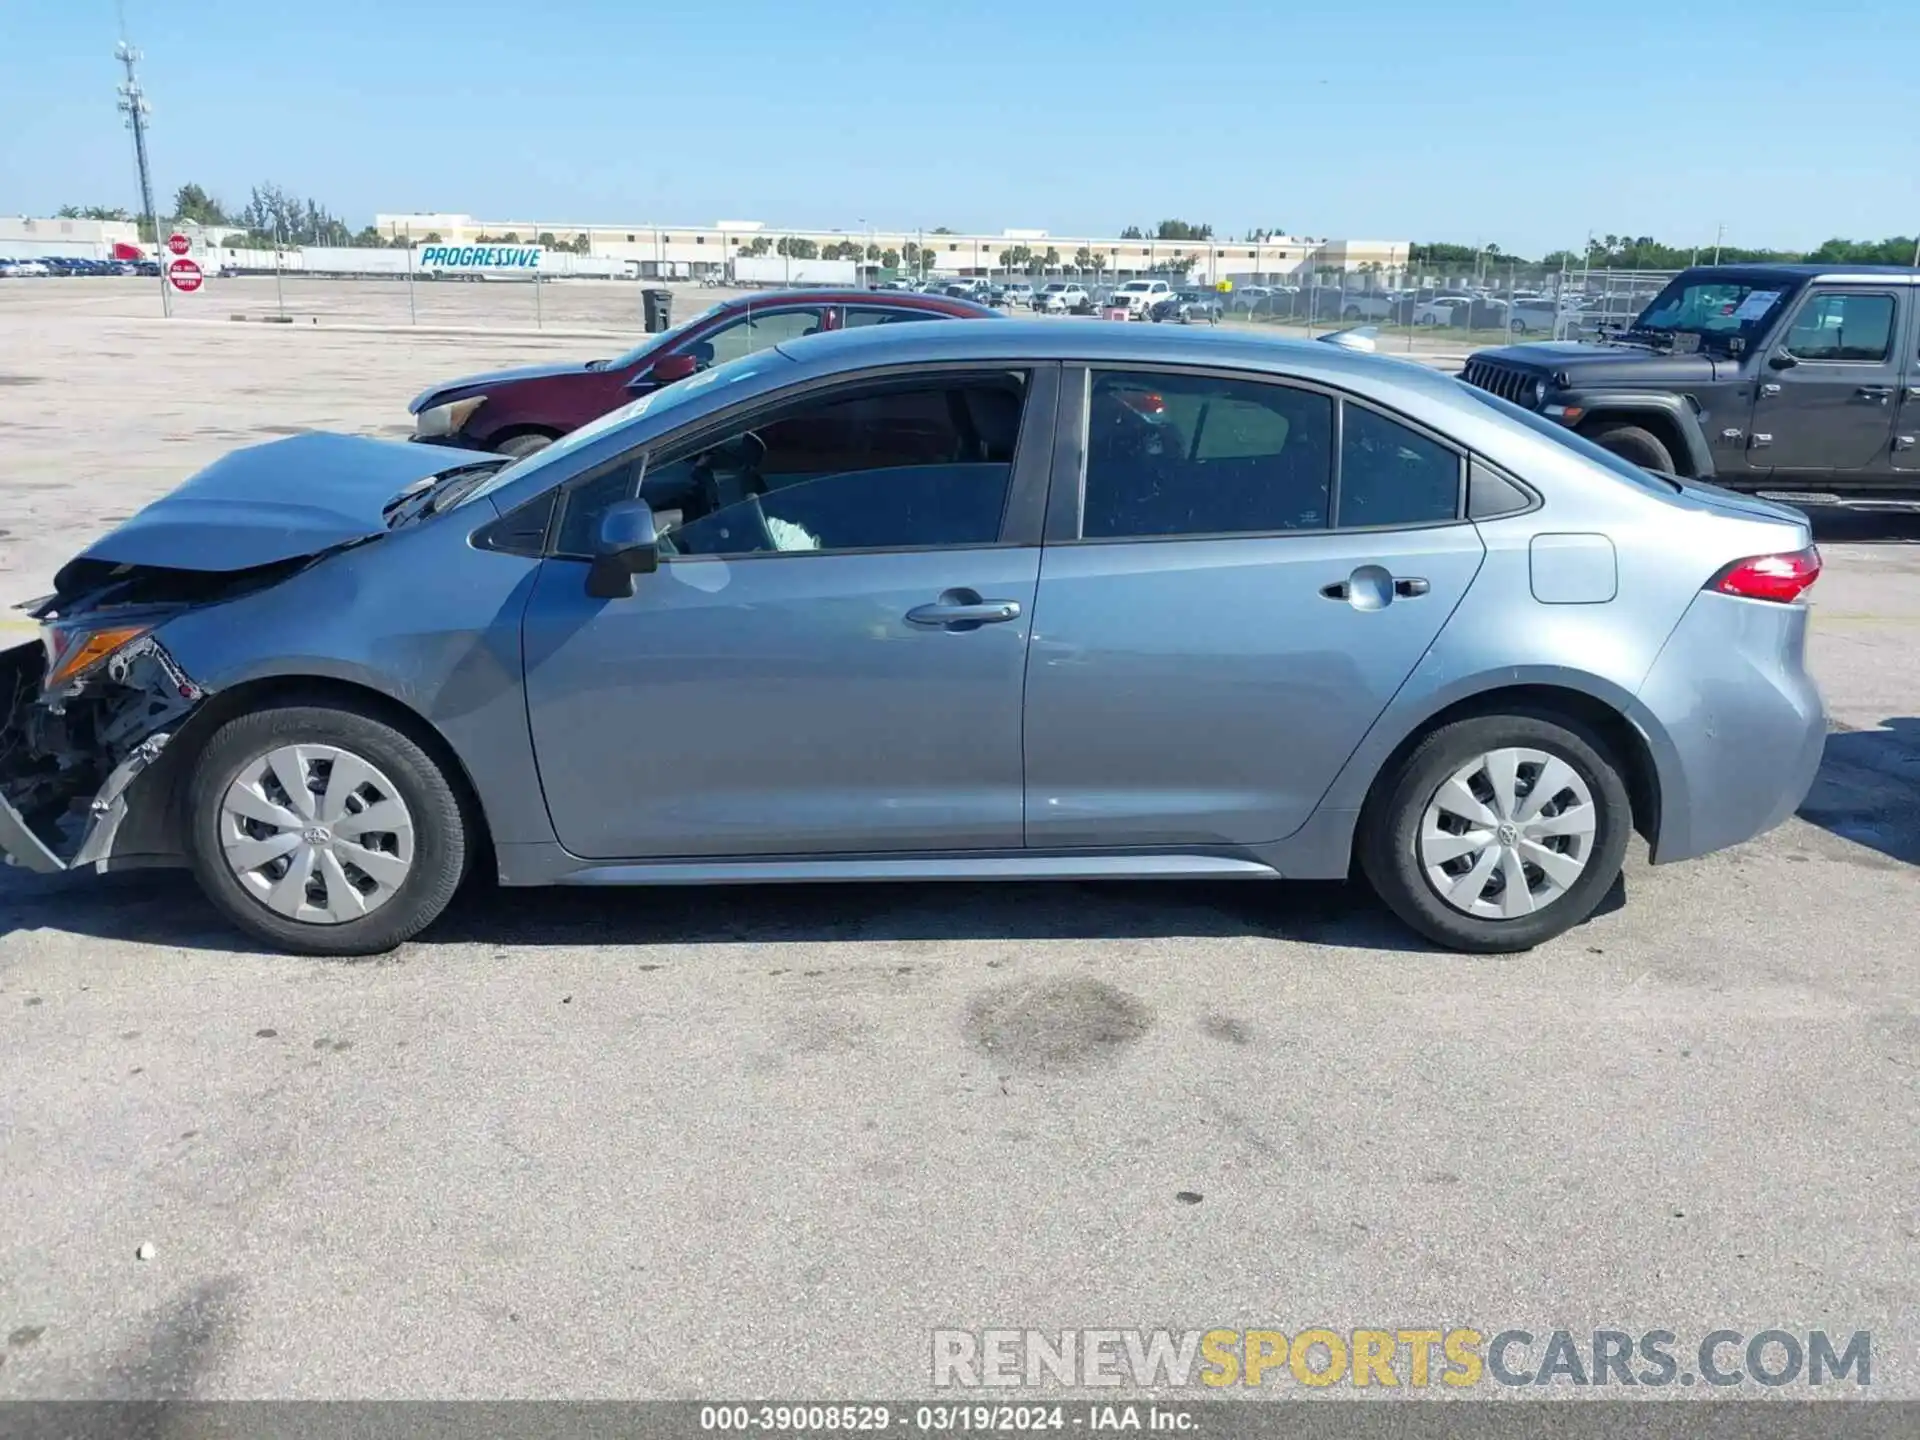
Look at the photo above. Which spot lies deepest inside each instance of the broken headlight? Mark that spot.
(73, 650)
(443, 420)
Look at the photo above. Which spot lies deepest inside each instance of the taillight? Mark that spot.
(1782, 578)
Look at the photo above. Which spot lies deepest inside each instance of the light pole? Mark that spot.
(133, 104)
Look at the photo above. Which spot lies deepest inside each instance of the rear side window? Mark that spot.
(1390, 475)
(1838, 326)
(858, 317)
(1194, 455)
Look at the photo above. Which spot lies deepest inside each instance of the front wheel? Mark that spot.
(1634, 445)
(1497, 833)
(521, 446)
(323, 830)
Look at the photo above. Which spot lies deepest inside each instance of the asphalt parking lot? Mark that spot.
(763, 1141)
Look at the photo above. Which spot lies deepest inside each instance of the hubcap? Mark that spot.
(316, 833)
(1508, 834)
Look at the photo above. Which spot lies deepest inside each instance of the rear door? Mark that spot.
(1831, 386)
(1239, 575)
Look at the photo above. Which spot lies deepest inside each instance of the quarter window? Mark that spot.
(915, 465)
(1836, 326)
(857, 318)
(1390, 475)
(1193, 455)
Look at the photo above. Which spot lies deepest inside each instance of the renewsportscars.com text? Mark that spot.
(1456, 1357)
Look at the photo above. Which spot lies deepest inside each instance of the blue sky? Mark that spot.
(1482, 120)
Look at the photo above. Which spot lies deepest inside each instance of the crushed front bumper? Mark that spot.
(76, 761)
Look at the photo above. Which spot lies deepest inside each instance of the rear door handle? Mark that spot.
(1370, 577)
(963, 610)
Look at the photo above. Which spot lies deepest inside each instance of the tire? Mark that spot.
(424, 866)
(1352, 312)
(1634, 445)
(521, 446)
(1518, 327)
(1394, 825)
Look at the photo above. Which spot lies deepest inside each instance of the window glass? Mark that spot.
(1192, 455)
(1843, 327)
(1390, 475)
(751, 332)
(909, 467)
(859, 317)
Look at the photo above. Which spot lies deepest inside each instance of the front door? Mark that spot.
(829, 658)
(1830, 387)
(1238, 601)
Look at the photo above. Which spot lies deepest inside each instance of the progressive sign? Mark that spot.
(480, 257)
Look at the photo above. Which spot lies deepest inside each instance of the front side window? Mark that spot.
(911, 465)
(1390, 475)
(752, 331)
(1194, 455)
(1839, 326)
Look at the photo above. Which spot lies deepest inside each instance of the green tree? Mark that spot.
(1181, 230)
(369, 237)
(1050, 260)
(547, 239)
(1132, 232)
(1083, 258)
(191, 202)
(512, 237)
(1016, 257)
(875, 255)
(797, 247)
(941, 230)
(890, 259)
(433, 238)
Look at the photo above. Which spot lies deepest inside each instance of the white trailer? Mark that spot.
(785, 270)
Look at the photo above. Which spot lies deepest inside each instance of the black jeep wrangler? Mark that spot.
(1757, 377)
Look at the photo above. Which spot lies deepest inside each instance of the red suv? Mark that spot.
(519, 411)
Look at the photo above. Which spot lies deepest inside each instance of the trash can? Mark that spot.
(657, 307)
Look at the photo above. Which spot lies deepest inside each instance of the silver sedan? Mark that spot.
(1018, 601)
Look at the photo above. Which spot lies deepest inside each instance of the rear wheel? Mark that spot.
(1634, 445)
(1498, 832)
(521, 446)
(323, 831)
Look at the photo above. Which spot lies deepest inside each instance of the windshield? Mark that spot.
(665, 337)
(1710, 307)
(654, 402)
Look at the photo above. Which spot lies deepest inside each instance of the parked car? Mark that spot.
(1245, 299)
(1367, 305)
(1017, 295)
(517, 412)
(1062, 296)
(1137, 297)
(1757, 377)
(1189, 307)
(332, 675)
(1444, 310)
(1534, 315)
(969, 287)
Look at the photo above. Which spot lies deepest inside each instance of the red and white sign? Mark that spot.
(179, 244)
(185, 276)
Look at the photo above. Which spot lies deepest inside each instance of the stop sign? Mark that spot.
(178, 243)
(185, 276)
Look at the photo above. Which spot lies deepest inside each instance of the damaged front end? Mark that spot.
(90, 707)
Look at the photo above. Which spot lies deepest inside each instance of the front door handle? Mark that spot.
(1879, 394)
(963, 610)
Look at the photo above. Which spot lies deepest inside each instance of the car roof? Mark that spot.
(1894, 274)
(1093, 343)
(898, 299)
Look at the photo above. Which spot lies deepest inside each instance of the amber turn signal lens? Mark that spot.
(70, 653)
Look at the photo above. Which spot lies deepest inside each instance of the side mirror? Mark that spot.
(626, 546)
(670, 368)
(1780, 360)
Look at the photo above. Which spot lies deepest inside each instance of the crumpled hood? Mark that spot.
(479, 384)
(278, 501)
(1585, 363)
